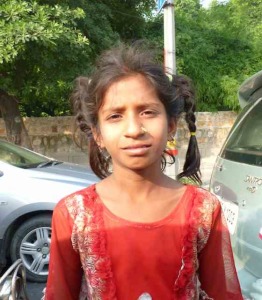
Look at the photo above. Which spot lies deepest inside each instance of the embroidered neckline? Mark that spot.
(89, 239)
(149, 225)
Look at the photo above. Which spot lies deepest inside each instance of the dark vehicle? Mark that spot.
(30, 186)
(237, 182)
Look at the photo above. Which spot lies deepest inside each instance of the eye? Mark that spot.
(149, 113)
(114, 117)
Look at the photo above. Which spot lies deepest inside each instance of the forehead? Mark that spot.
(132, 89)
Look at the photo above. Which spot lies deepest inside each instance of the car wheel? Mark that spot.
(31, 243)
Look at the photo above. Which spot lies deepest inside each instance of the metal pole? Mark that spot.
(170, 59)
(169, 37)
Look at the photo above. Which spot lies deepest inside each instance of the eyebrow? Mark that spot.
(120, 108)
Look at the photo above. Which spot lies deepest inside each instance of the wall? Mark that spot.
(53, 136)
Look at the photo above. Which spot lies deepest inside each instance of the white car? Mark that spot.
(237, 182)
(30, 187)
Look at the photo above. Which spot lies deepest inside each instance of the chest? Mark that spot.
(143, 212)
(112, 251)
(157, 245)
(142, 258)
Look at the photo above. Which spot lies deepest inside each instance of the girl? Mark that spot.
(138, 234)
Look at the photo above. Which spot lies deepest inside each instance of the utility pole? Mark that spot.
(169, 60)
(169, 37)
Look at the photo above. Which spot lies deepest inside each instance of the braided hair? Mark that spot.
(174, 92)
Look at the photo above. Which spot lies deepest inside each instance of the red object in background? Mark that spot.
(173, 152)
(260, 233)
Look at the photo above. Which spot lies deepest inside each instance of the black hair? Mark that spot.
(175, 92)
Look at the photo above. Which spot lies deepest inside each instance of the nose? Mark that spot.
(133, 127)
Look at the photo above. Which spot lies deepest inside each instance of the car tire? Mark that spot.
(31, 243)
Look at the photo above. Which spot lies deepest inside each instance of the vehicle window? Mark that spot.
(245, 143)
(19, 157)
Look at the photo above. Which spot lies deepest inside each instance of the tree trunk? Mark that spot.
(14, 124)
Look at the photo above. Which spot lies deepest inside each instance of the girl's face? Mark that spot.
(133, 124)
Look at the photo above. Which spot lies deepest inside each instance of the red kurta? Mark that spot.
(186, 255)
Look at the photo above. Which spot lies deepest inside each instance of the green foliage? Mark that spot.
(128, 17)
(45, 44)
(216, 54)
(23, 22)
(217, 48)
(38, 53)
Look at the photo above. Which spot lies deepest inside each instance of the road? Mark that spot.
(34, 290)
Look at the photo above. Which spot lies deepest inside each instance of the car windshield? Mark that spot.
(21, 157)
(245, 143)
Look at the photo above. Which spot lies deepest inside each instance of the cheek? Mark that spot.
(160, 131)
(102, 136)
(108, 136)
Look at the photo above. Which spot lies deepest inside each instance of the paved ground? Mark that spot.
(34, 290)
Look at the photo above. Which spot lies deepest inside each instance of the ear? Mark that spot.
(97, 137)
(172, 126)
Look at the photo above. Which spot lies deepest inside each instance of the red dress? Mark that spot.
(97, 255)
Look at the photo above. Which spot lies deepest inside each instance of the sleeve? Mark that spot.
(65, 273)
(217, 272)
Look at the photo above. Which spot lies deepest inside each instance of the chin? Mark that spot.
(144, 166)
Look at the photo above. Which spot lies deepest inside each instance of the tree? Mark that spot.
(27, 32)
(44, 45)
(128, 18)
(218, 48)
(241, 36)
(46, 74)
(212, 54)
(15, 128)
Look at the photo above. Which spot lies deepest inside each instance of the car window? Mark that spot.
(245, 143)
(19, 157)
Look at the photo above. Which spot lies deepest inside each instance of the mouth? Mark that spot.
(131, 147)
(137, 150)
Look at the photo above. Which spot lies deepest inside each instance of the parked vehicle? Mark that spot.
(30, 186)
(237, 182)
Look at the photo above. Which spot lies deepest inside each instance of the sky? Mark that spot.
(206, 3)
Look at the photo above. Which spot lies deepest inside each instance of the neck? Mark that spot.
(139, 184)
(152, 174)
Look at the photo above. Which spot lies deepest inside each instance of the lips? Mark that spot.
(136, 147)
(137, 150)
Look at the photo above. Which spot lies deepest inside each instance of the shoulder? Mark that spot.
(204, 208)
(74, 202)
(202, 198)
